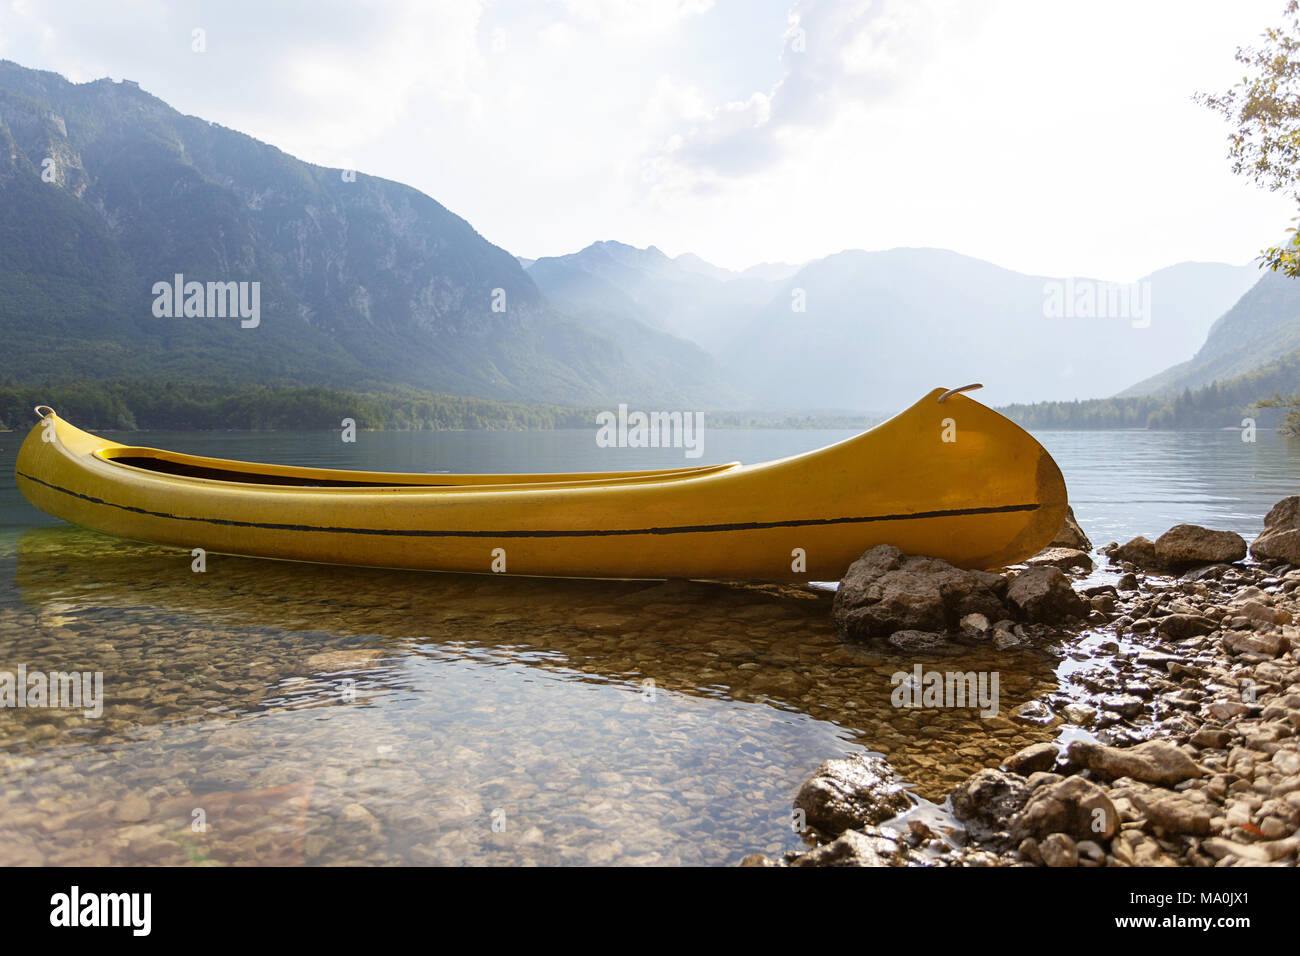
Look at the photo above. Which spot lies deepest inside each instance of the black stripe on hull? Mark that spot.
(597, 533)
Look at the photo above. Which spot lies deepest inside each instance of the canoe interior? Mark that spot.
(193, 470)
(161, 462)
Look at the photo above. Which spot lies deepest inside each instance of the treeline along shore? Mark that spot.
(132, 405)
(1220, 404)
(151, 405)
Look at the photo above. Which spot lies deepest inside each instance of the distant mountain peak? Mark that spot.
(624, 251)
(692, 262)
(362, 282)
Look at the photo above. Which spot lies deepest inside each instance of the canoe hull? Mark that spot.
(953, 479)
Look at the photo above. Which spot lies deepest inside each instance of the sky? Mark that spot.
(1050, 137)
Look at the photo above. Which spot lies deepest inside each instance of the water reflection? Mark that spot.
(323, 714)
(1125, 483)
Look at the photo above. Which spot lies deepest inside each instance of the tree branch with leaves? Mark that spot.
(1264, 109)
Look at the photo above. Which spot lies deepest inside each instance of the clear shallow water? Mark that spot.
(1123, 484)
(323, 715)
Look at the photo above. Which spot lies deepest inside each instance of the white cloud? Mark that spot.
(635, 19)
(837, 55)
(1049, 137)
(559, 37)
(317, 79)
(364, 86)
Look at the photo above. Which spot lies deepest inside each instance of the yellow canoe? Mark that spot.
(947, 477)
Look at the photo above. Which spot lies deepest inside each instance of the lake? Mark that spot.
(267, 712)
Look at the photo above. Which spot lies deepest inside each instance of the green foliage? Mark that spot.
(1265, 111)
(129, 405)
(1221, 404)
(169, 404)
(1290, 425)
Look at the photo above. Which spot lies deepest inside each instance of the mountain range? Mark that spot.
(1262, 326)
(106, 192)
(869, 330)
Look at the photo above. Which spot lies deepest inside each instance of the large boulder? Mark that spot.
(1140, 551)
(918, 642)
(1155, 761)
(1043, 595)
(1189, 545)
(851, 792)
(1179, 627)
(1032, 759)
(987, 800)
(1070, 535)
(869, 847)
(886, 591)
(1280, 539)
(1170, 812)
(1057, 849)
(1064, 558)
(1076, 807)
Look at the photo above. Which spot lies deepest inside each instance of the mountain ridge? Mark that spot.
(367, 283)
(860, 341)
(364, 282)
(1262, 325)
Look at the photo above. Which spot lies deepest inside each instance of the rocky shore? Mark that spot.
(1176, 726)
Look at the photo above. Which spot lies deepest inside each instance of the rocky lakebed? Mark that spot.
(1175, 724)
(1136, 704)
